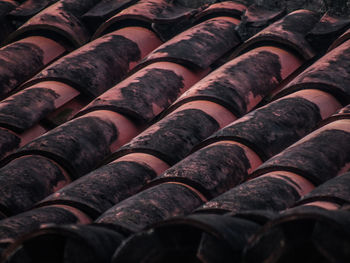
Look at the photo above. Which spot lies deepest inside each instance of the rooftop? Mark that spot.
(174, 130)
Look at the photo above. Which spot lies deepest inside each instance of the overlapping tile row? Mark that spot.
(234, 87)
(316, 230)
(273, 191)
(79, 145)
(182, 191)
(88, 71)
(209, 236)
(100, 66)
(165, 189)
(61, 20)
(161, 141)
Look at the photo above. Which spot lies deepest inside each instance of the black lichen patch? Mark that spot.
(172, 138)
(254, 74)
(8, 142)
(24, 223)
(201, 45)
(99, 190)
(264, 193)
(271, 129)
(19, 61)
(23, 110)
(318, 159)
(78, 145)
(211, 170)
(151, 206)
(335, 190)
(96, 69)
(25, 181)
(157, 86)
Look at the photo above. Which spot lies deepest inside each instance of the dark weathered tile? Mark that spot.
(99, 190)
(146, 93)
(275, 191)
(318, 157)
(28, 180)
(272, 128)
(26, 10)
(151, 206)
(23, 59)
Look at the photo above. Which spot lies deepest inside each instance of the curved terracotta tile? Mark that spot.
(81, 144)
(214, 169)
(145, 94)
(226, 8)
(28, 9)
(274, 191)
(62, 21)
(336, 190)
(13, 227)
(288, 33)
(195, 238)
(272, 128)
(144, 13)
(312, 233)
(78, 243)
(151, 206)
(198, 47)
(330, 74)
(327, 30)
(257, 17)
(22, 110)
(172, 138)
(97, 66)
(239, 89)
(14, 70)
(28, 180)
(103, 188)
(104, 10)
(318, 157)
